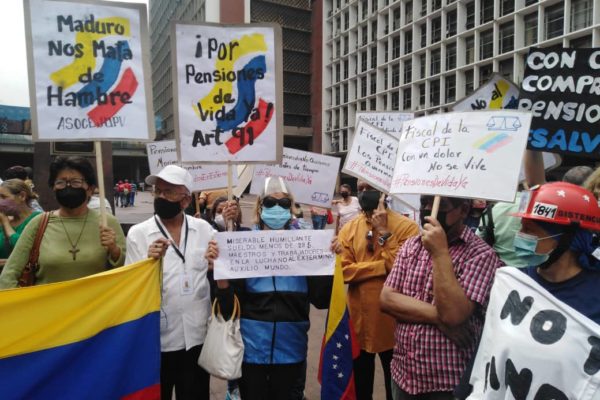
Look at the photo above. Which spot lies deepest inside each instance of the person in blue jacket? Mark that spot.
(275, 311)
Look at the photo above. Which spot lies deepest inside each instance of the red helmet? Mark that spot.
(561, 203)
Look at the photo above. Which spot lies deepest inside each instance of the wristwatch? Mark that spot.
(382, 239)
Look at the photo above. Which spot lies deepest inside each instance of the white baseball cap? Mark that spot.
(173, 174)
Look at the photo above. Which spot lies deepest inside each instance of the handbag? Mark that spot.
(329, 216)
(223, 350)
(31, 268)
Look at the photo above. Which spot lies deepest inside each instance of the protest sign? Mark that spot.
(163, 153)
(497, 93)
(227, 82)
(308, 175)
(473, 154)
(390, 122)
(534, 346)
(561, 88)
(372, 156)
(89, 71)
(252, 254)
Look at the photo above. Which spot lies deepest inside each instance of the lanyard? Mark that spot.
(165, 234)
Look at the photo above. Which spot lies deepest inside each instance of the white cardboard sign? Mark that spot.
(205, 176)
(310, 176)
(390, 122)
(252, 254)
(472, 154)
(534, 346)
(227, 82)
(497, 93)
(372, 156)
(89, 71)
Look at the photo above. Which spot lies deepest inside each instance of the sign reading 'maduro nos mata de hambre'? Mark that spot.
(89, 74)
(228, 92)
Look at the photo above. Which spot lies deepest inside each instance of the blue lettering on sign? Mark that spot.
(578, 142)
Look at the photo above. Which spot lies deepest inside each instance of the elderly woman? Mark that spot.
(15, 202)
(274, 319)
(74, 244)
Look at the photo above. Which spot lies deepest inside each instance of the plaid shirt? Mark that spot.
(425, 360)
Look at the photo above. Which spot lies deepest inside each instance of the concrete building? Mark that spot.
(424, 55)
(296, 19)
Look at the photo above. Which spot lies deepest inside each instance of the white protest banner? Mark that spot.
(534, 346)
(228, 92)
(387, 121)
(472, 154)
(252, 254)
(89, 71)
(497, 93)
(372, 156)
(205, 176)
(308, 175)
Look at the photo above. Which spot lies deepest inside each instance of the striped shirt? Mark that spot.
(425, 360)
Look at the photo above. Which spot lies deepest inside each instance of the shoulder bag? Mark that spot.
(31, 268)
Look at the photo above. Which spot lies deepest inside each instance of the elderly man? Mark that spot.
(185, 308)
(437, 292)
(369, 244)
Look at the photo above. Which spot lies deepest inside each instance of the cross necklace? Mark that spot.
(74, 249)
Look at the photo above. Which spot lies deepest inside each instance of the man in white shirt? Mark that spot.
(182, 241)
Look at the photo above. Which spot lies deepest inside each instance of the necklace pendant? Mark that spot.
(74, 250)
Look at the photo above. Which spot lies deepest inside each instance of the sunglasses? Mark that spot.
(269, 202)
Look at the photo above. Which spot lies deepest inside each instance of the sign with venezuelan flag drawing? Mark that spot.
(227, 82)
(89, 72)
(96, 337)
(469, 154)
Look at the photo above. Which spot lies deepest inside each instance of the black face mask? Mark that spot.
(166, 209)
(441, 217)
(71, 197)
(345, 195)
(369, 199)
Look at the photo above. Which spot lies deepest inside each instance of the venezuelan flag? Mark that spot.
(92, 338)
(340, 346)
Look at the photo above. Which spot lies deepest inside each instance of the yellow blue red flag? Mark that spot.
(92, 338)
(340, 346)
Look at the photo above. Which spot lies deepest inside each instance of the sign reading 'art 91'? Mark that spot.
(89, 74)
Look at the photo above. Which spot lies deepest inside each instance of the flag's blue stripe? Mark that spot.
(116, 362)
(333, 386)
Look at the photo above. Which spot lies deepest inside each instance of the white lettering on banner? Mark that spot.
(254, 254)
(534, 346)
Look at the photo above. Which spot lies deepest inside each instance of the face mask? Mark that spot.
(166, 209)
(525, 246)
(220, 221)
(369, 199)
(275, 217)
(345, 195)
(441, 217)
(71, 197)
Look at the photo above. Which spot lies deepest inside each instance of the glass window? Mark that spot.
(436, 62)
(363, 86)
(434, 93)
(450, 57)
(507, 6)
(396, 75)
(396, 47)
(451, 23)
(407, 42)
(337, 96)
(346, 68)
(581, 14)
(346, 21)
(469, 82)
(486, 44)
(506, 68)
(395, 101)
(436, 5)
(408, 11)
(507, 36)
(582, 42)
(485, 72)
(373, 57)
(423, 7)
(337, 72)
(373, 104)
(422, 94)
(470, 15)
(363, 61)
(487, 11)
(365, 36)
(406, 99)
(397, 18)
(373, 30)
(345, 92)
(450, 89)
(385, 79)
(530, 2)
(531, 28)
(470, 53)
(436, 29)
(407, 71)
(423, 65)
(423, 35)
(554, 20)
(364, 9)
(373, 78)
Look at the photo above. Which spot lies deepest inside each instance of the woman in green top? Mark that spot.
(17, 196)
(74, 244)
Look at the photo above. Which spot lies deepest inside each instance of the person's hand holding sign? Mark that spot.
(379, 218)
(434, 237)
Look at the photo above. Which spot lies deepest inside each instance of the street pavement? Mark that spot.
(143, 210)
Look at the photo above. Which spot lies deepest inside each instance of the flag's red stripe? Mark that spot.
(149, 393)
(258, 126)
(127, 84)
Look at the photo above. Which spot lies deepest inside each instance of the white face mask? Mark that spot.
(220, 221)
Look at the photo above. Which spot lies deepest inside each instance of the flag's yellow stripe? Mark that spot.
(46, 316)
(337, 306)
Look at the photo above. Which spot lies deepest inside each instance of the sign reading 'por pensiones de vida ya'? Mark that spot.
(227, 83)
(308, 175)
(472, 155)
(89, 72)
(561, 87)
(204, 176)
(252, 254)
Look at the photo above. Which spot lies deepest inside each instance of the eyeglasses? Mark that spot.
(269, 202)
(168, 194)
(74, 183)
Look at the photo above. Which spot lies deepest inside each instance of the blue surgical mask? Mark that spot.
(525, 246)
(275, 217)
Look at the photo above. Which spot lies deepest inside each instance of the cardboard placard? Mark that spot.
(387, 121)
(497, 93)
